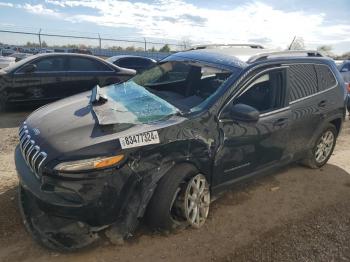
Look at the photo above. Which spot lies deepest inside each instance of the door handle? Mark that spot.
(280, 122)
(323, 103)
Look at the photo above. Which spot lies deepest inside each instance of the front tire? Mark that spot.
(322, 149)
(181, 199)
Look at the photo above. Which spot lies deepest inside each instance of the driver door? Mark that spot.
(250, 146)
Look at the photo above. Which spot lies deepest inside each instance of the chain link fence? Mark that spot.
(29, 40)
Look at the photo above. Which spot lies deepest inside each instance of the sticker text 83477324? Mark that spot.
(142, 139)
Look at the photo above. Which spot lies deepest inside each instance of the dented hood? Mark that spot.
(70, 127)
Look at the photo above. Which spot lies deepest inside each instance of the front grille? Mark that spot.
(31, 152)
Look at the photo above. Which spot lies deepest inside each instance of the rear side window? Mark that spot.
(302, 81)
(87, 65)
(134, 63)
(51, 64)
(325, 77)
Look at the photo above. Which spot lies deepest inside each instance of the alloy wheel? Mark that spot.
(324, 146)
(196, 201)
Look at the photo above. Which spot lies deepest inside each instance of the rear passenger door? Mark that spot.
(308, 86)
(47, 82)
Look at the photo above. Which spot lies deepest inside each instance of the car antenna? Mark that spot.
(291, 44)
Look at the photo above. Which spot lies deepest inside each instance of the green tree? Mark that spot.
(152, 49)
(130, 48)
(165, 49)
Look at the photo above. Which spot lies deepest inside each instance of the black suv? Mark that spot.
(162, 145)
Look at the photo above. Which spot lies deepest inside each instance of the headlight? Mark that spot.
(89, 164)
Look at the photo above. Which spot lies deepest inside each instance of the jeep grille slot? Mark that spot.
(31, 152)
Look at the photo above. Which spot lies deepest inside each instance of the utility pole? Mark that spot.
(145, 44)
(99, 40)
(40, 38)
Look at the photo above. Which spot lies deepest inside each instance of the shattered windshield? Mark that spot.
(184, 85)
(131, 103)
(162, 91)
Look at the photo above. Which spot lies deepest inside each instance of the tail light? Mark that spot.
(348, 87)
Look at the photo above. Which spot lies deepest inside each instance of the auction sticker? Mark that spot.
(142, 139)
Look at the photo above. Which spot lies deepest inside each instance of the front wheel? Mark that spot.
(323, 148)
(181, 199)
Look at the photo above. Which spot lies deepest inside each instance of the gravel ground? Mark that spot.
(295, 214)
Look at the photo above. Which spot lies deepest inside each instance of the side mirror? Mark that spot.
(29, 68)
(241, 112)
(344, 69)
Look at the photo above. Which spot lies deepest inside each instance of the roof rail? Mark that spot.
(205, 46)
(262, 56)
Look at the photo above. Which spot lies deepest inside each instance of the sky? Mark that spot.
(272, 23)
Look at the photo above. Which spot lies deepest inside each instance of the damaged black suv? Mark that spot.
(164, 144)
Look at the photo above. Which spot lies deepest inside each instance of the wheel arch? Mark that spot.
(337, 122)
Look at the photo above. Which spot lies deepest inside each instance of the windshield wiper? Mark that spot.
(97, 97)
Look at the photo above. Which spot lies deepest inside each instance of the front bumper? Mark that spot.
(96, 201)
(66, 215)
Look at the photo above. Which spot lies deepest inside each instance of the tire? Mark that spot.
(167, 210)
(312, 160)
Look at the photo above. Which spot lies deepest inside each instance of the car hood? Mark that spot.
(69, 128)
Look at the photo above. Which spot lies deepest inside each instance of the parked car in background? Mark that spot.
(344, 68)
(20, 56)
(47, 77)
(80, 51)
(137, 63)
(348, 102)
(162, 145)
(46, 50)
(6, 61)
(59, 50)
(7, 51)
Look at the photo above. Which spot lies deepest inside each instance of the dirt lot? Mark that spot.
(296, 214)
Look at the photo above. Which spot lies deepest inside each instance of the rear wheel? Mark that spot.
(323, 148)
(181, 199)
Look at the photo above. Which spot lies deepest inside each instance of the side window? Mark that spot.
(134, 63)
(51, 64)
(85, 64)
(325, 77)
(179, 72)
(302, 81)
(127, 63)
(143, 62)
(265, 93)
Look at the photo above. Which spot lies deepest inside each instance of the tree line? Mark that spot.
(165, 48)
